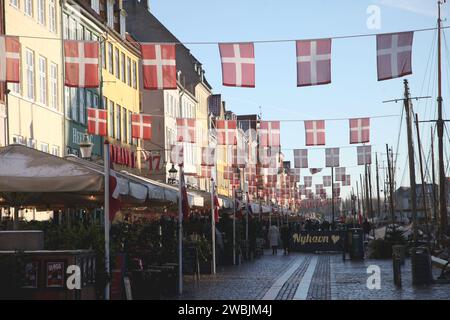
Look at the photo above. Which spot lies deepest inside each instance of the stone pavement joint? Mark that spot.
(303, 287)
(320, 288)
(289, 288)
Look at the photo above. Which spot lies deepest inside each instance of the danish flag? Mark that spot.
(237, 155)
(327, 181)
(250, 173)
(313, 62)
(141, 126)
(295, 172)
(9, 59)
(269, 133)
(315, 170)
(159, 66)
(228, 173)
(301, 158)
(394, 55)
(238, 64)
(336, 189)
(319, 189)
(346, 181)
(206, 172)
(315, 132)
(332, 157)
(340, 174)
(186, 130)
(226, 132)
(177, 154)
(359, 130)
(81, 64)
(364, 155)
(97, 121)
(307, 180)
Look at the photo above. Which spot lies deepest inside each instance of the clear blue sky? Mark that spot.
(354, 90)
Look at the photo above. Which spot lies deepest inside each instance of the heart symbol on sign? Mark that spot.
(335, 239)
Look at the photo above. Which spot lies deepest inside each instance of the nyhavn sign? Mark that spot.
(312, 241)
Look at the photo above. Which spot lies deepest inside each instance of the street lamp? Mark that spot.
(86, 147)
(172, 175)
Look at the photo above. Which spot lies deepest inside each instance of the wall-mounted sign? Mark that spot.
(317, 241)
(31, 275)
(55, 274)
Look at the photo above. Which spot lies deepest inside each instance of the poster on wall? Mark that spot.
(55, 274)
(31, 275)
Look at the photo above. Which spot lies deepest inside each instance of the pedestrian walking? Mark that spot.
(286, 238)
(274, 236)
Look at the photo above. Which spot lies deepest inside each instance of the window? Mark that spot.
(81, 92)
(118, 122)
(67, 101)
(72, 29)
(42, 80)
(133, 75)
(74, 104)
(53, 85)
(87, 35)
(110, 58)
(66, 26)
(80, 32)
(122, 24)
(55, 151)
(95, 5)
(116, 57)
(89, 99)
(30, 73)
(130, 140)
(110, 13)
(14, 87)
(94, 100)
(111, 119)
(14, 3)
(28, 7)
(52, 16)
(122, 66)
(41, 11)
(31, 143)
(129, 71)
(125, 125)
(18, 139)
(103, 51)
(44, 147)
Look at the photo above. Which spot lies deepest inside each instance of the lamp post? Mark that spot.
(86, 147)
(172, 179)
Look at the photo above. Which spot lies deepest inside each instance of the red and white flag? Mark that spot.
(269, 134)
(97, 121)
(332, 157)
(114, 196)
(346, 181)
(364, 155)
(250, 174)
(159, 66)
(340, 173)
(186, 130)
(315, 132)
(394, 55)
(327, 181)
(359, 130)
(295, 172)
(319, 189)
(205, 172)
(216, 207)
(301, 158)
(307, 181)
(226, 132)
(81, 64)
(141, 126)
(336, 189)
(228, 172)
(238, 64)
(315, 170)
(208, 156)
(313, 62)
(9, 59)
(237, 155)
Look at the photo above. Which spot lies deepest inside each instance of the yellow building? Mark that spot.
(35, 105)
(105, 21)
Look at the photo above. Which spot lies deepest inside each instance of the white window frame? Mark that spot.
(123, 26)
(45, 147)
(28, 8)
(14, 3)
(43, 80)
(67, 102)
(129, 71)
(74, 104)
(55, 150)
(134, 75)
(52, 16)
(125, 125)
(31, 143)
(54, 85)
(30, 74)
(82, 105)
(117, 63)
(112, 111)
(110, 58)
(41, 12)
(122, 68)
(118, 122)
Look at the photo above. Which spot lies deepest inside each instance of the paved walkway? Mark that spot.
(308, 277)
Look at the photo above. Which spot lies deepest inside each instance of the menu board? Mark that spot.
(55, 274)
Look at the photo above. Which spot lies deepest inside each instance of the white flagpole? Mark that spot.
(213, 228)
(106, 216)
(234, 226)
(180, 233)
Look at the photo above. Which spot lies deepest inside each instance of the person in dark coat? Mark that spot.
(286, 238)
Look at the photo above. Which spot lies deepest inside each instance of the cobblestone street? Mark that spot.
(308, 277)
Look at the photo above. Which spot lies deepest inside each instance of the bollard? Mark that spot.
(396, 263)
